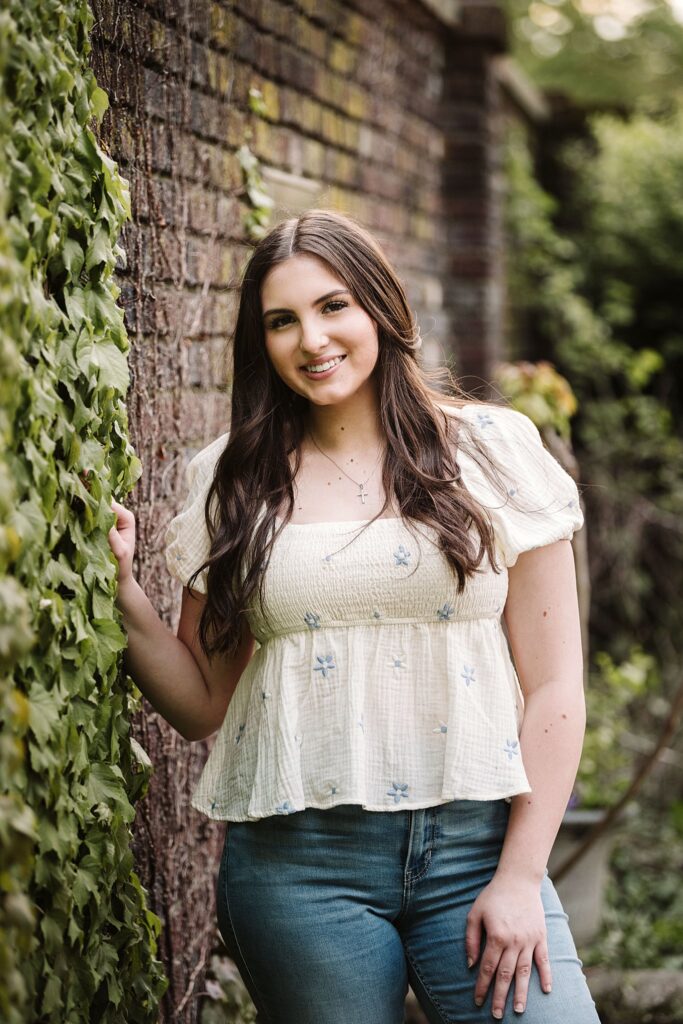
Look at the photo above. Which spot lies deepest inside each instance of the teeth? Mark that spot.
(321, 367)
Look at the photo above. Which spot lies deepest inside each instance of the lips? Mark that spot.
(312, 374)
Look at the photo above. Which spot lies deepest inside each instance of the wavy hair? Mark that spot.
(253, 478)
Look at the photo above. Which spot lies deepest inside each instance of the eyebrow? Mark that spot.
(323, 298)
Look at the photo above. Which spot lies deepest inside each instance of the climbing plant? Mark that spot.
(77, 940)
(17, 822)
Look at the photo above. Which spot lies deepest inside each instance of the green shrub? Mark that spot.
(614, 695)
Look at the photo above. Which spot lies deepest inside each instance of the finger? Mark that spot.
(543, 963)
(504, 976)
(489, 962)
(115, 542)
(522, 976)
(123, 518)
(472, 938)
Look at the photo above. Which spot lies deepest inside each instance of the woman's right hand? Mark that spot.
(121, 539)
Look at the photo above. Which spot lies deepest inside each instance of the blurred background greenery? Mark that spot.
(595, 232)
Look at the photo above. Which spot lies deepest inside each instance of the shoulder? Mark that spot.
(488, 421)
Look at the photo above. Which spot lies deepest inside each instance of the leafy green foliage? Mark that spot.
(629, 449)
(600, 53)
(540, 392)
(615, 695)
(629, 203)
(261, 204)
(604, 300)
(643, 925)
(77, 942)
(17, 821)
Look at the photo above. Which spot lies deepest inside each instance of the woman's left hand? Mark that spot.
(511, 912)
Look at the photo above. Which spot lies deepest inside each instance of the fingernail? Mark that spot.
(470, 961)
(498, 1014)
(547, 988)
(519, 1007)
(478, 1001)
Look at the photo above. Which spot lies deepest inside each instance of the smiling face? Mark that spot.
(311, 320)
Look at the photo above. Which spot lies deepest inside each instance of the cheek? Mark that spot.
(365, 333)
(276, 353)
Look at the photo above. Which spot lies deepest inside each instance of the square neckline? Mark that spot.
(342, 522)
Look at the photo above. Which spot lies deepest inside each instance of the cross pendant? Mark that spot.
(361, 494)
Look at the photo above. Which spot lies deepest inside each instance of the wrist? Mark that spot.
(521, 874)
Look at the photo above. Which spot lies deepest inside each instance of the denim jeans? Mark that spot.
(329, 914)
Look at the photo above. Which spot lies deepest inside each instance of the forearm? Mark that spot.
(161, 665)
(551, 740)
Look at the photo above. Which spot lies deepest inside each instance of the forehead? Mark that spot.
(300, 280)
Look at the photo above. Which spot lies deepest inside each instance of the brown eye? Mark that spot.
(279, 321)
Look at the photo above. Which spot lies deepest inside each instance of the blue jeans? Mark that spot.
(329, 914)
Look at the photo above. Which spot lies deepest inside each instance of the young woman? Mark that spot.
(350, 551)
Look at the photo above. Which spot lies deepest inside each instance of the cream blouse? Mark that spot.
(373, 681)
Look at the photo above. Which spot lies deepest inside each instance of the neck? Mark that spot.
(346, 427)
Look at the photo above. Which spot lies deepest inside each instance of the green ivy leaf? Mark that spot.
(99, 102)
(45, 708)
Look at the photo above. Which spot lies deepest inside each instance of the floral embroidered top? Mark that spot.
(375, 682)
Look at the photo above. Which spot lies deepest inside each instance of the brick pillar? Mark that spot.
(473, 125)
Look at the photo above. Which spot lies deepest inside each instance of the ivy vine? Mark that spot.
(77, 940)
(257, 218)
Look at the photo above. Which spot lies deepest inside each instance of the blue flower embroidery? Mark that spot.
(468, 674)
(284, 808)
(265, 694)
(398, 790)
(333, 790)
(240, 733)
(510, 749)
(312, 620)
(512, 491)
(484, 420)
(377, 614)
(326, 662)
(445, 611)
(214, 805)
(401, 555)
(441, 728)
(328, 562)
(361, 724)
(397, 661)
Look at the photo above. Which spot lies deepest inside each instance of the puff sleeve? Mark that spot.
(535, 502)
(186, 539)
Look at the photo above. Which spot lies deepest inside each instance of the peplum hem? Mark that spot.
(316, 720)
(326, 805)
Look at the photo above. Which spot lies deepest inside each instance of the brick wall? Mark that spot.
(385, 110)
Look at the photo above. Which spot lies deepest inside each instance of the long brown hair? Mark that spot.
(253, 474)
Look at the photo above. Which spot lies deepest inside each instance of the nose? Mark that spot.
(313, 339)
